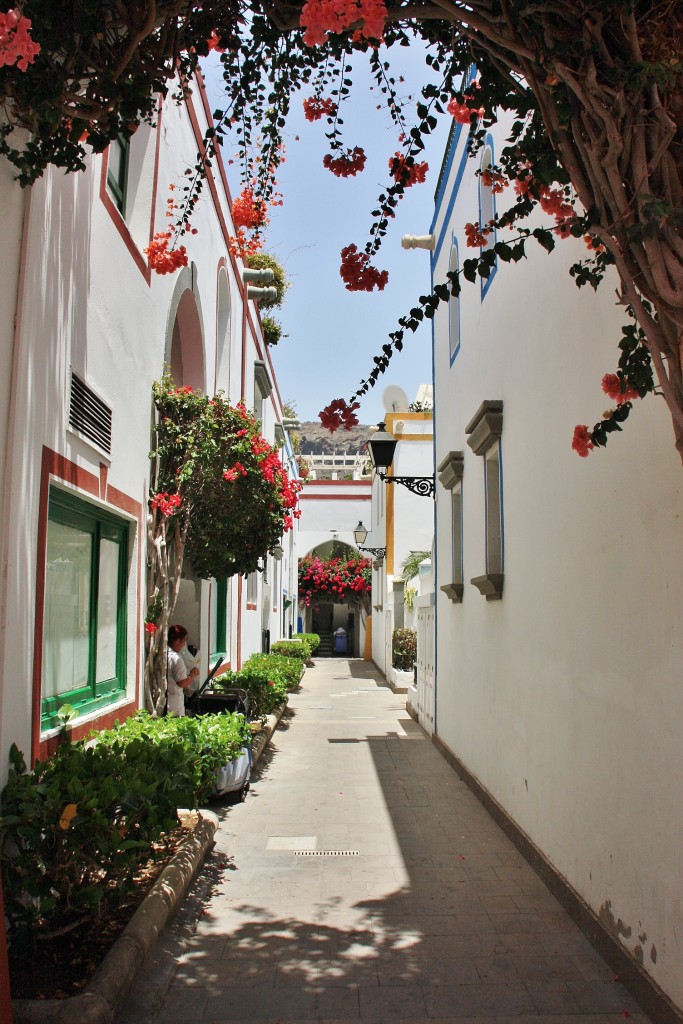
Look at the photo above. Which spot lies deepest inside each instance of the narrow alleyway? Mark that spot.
(362, 879)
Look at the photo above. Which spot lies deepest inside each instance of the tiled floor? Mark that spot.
(361, 879)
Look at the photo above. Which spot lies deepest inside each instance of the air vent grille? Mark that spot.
(89, 415)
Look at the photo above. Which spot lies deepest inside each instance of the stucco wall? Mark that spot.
(88, 303)
(565, 697)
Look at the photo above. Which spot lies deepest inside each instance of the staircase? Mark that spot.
(326, 649)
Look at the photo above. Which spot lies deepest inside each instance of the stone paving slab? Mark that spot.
(362, 881)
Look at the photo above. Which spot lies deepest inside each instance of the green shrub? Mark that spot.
(286, 670)
(403, 649)
(291, 649)
(312, 639)
(74, 831)
(264, 689)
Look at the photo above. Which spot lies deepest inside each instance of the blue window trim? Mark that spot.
(453, 355)
(486, 281)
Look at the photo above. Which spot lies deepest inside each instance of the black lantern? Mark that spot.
(382, 447)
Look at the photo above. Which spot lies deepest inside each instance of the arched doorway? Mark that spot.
(327, 614)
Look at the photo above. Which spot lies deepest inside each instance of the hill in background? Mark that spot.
(316, 440)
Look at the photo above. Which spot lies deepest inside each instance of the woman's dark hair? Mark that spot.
(176, 633)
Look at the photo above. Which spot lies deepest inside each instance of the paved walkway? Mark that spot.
(362, 879)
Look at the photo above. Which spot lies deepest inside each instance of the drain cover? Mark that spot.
(327, 853)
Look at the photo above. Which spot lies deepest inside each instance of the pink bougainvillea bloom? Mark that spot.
(582, 442)
(16, 45)
(618, 389)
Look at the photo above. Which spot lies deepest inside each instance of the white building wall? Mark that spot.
(564, 698)
(404, 521)
(88, 303)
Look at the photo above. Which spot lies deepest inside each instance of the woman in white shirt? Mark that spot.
(178, 677)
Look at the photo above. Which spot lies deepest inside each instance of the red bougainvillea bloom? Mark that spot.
(358, 274)
(213, 42)
(462, 113)
(476, 236)
(618, 389)
(163, 260)
(407, 174)
(150, 627)
(338, 414)
(316, 107)
(582, 442)
(248, 212)
(320, 17)
(348, 165)
(494, 180)
(16, 45)
(240, 245)
(167, 503)
(594, 244)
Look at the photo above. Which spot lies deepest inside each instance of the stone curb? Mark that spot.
(97, 1004)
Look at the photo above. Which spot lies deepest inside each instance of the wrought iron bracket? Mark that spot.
(422, 485)
(375, 552)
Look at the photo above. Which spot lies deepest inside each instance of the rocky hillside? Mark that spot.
(315, 440)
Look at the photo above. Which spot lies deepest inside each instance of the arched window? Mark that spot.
(454, 309)
(487, 211)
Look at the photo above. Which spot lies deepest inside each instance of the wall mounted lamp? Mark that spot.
(360, 535)
(382, 447)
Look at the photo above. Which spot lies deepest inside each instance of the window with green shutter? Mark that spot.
(84, 621)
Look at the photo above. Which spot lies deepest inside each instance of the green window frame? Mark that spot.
(85, 611)
(117, 171)
(221, 597)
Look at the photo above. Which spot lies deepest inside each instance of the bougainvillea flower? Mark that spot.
(166, 503)
(316, 107)
(163, 260)
(618, 389)
(150, 627)
(16, 45)
(348, 165)
(582, 442)
(476, 236)
(462, 112)
(358, 274)
(321, 17)
(338, 414)
(407, 173)
(248, 211)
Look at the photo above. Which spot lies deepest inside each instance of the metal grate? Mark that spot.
(89, 415)
(326, 853)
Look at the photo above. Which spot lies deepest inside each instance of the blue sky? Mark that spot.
(333, 334)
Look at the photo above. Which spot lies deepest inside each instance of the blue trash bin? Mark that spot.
(340, 645)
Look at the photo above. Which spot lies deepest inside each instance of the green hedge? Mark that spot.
(312, 639)
(75, 830)
(286, 670)
(292, 649)
(265, 692)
